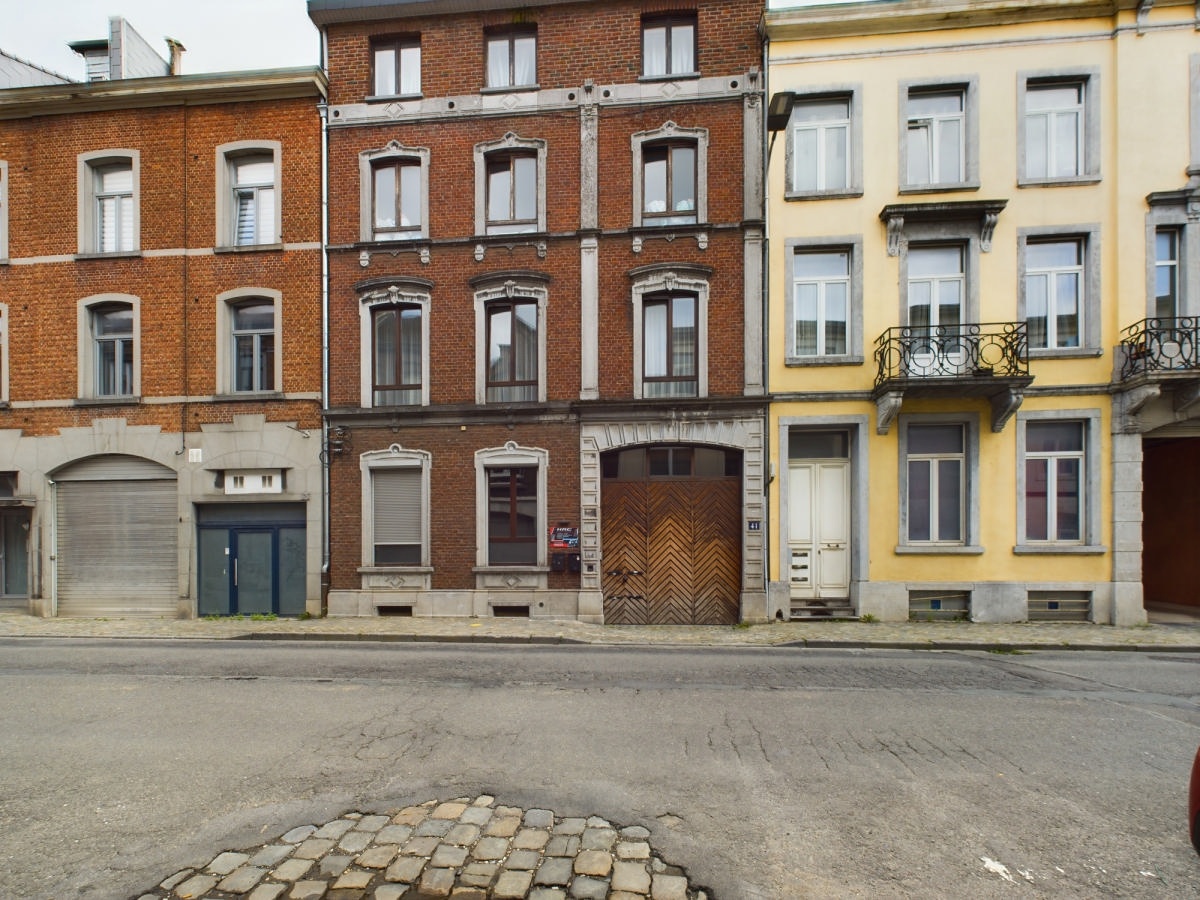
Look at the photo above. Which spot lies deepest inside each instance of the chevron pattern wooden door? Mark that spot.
(672, 552)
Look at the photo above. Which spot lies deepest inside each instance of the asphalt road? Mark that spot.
(766, 773)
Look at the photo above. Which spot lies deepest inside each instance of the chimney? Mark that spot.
(177, 50)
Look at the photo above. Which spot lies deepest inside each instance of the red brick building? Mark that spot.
(545, 319)
(160, 379)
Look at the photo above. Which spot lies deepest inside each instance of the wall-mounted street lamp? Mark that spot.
(779, 113)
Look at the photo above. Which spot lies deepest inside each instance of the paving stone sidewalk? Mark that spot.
(466, 849)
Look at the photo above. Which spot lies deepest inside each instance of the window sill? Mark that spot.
(1059, 550)
(800, 362)
(505, 236)
(938, 550)
(669, 76)
(388, 570)
(823, 195)
(374, 242)
(243, 396)
(116, 254)
(392, 98)
(1058, 182)
(246, 248)
(108, 401)
(521, 568)
(1065, 353)
(511, 89)
(939, 188)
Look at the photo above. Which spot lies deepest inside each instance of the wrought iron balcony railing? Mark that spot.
(916, 352)
(1161, 345)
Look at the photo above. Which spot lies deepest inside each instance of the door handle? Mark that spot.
(235, 571)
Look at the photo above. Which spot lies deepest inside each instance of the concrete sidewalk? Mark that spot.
(1165, 632)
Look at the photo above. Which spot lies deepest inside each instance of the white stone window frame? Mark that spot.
(665, 278)
(669, 132)
(852, 244)
(509, 143)
(367, 160)
(390, 292)
(509, 286)
(968, 87)
(511, 455)
(87, 165)
(227, 301)
(1089, 543)
(226, 222)
(1088, 79)
(969, 545)
(1088, 236)
(86, 346)
(3, 214)
(852, 93)
(1174, 217)
(4, 329)
(394, 457)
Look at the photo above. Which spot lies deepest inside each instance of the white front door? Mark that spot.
(819, 529)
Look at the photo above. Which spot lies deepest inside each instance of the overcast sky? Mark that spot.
(220, 35)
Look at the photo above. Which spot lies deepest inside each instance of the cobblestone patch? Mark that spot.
(463, 848)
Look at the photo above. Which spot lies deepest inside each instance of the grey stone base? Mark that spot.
(1113, 603)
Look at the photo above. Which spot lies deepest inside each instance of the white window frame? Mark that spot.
(853, 123)
(665, 278)
(969, 513)
(367, 160)
(1090, 521)
(390, 292)
(4, 329)
(853, 245)
(87, 166)
(968, 90)
(1088, 131)
(509, 36)
(394, 457)
(3, 213)
(510, 143)
(226, 303)
(227, 156)
(667, 22)
(1088, 238)
(669, 133)
(511, 455)
(508, 286)
(86, 347)
(1173, 265)
(401, 45)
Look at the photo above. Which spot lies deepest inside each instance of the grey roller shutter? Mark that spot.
(397, 506)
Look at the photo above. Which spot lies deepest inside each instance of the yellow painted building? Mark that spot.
(983, 298)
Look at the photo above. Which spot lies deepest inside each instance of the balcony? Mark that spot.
(971, 360)
(1157, 354)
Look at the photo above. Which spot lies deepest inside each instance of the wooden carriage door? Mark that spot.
(672, 551)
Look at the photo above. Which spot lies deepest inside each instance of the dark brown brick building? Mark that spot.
(545, 318)
(160, 304)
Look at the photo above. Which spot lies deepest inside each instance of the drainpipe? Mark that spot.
(769, 536)
(323, 110)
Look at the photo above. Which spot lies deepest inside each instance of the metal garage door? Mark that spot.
(118, 526)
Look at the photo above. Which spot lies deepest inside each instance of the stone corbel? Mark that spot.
(1128, 404)
(986, 228)
(887, 407)
(895, 231)
(1143, 11)
(364, 258)
(1004, 407)
(1187, 398)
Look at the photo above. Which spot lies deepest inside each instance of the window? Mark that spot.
(669, 46)
(820, 302)
(1166, 273)
(3, 211)
(669, 346)
(108, 202)
(395, 66)
(821, 142)
(396, 199)
(511, 486)
(1058, 128)
(4, 320)
(512, 59)
(248, 213)
(1053, 481)
(670, 330)
(1058, 479)
(935, 483)
(396, 359)
(254, 346)
(936, 137)
(395, 508)
(936, 287)
(510, 186)
(1053, 286)
(669, 184)
(112, 337)
(1059, 290)
(512, 348)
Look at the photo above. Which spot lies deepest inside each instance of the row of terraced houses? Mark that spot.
(642, 311)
